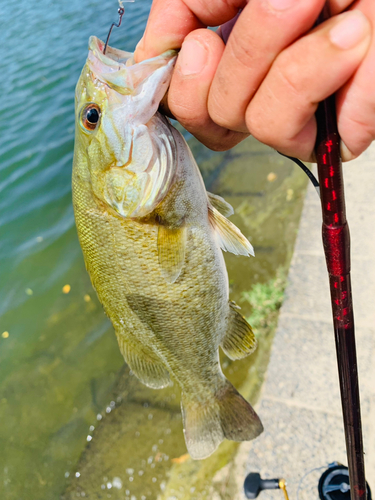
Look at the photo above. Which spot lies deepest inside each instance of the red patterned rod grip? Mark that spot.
(336, 242)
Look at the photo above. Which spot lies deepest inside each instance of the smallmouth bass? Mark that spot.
(152, 237)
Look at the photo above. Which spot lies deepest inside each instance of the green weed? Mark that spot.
(265, 300)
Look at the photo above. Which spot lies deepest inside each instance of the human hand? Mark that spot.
(274, 70)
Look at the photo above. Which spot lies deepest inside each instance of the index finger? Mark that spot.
(170, 21)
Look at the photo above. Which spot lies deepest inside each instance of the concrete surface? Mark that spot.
(300, 402)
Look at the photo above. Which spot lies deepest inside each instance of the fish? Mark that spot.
(152, 239)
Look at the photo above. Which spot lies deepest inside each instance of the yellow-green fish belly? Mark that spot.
(182, 323)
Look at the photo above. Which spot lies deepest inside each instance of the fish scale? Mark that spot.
(156, 262)
(134, 253)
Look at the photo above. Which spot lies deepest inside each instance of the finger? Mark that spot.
(262, 31)
(356, 100)
(170, 21)
(336, 6)
(281, 113)
(168, 24)
(188, 93)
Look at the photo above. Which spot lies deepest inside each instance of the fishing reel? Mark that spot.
(333, 484)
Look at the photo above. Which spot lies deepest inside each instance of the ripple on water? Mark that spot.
(57, 363)
(44, 48)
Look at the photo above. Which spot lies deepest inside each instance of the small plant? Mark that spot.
(265, 300)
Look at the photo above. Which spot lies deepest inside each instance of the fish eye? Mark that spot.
(90, 116)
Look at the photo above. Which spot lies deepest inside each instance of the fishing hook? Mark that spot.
(121, 11)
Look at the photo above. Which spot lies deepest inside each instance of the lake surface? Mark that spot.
(59, 359)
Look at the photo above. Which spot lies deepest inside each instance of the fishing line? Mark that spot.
(307, 171)
(315, 468)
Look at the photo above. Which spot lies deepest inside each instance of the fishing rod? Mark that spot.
(336, 243)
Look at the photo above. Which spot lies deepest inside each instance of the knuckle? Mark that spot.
(358, 134)
(217, 117)
(295, 70)
(365, 129)
(260, 127)
(290, 75)
(183, 113)
(219, 10)
(216, 146)
(228, 117)
(186, 110)
(222, 142)
(241, 50)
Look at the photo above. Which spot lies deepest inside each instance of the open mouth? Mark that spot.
(117, 68)
(113, 58)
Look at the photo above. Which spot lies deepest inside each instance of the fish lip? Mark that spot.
(112, 57)
(117, 57)
(117, 68)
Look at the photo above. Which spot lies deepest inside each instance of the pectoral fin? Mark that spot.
(220, 204)
(149, 370)
(239, 340)
(171, 251)
(230, 237)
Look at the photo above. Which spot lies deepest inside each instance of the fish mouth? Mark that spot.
(112, 57)
(118, 69)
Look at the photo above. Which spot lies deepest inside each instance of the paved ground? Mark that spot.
(300, 404)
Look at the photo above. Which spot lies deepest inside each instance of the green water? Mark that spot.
(61, 372)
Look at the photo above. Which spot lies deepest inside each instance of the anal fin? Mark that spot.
(149, 370)
(230, 237)
(239, 341)
(171, 251)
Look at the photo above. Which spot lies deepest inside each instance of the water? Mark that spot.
(60, 366)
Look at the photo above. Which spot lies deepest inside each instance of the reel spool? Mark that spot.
(334, 484)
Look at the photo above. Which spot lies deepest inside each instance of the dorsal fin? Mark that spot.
(230, 237)
(220, 204)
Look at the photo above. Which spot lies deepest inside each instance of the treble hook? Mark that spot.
(120, 11)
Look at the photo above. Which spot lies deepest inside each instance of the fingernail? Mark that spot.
(350, 31)
(192, 58)
(282, 4)
(346, 154)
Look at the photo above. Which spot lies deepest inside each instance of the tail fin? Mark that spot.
(227, 415)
